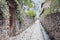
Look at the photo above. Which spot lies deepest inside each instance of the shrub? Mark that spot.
(31, 13)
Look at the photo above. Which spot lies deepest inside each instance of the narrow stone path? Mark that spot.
(31, 33)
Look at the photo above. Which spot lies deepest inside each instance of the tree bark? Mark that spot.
(12, 9)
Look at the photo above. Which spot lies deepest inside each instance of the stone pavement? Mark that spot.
(31, 33)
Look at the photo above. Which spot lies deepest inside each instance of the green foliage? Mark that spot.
(55, 4)
(20, 14)
(4, 9)
(47, 12)
(54, 7)
(18, 0)
(29, 3)
(20, 11)
(31, 13)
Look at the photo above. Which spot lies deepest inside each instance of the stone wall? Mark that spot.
(51, 22)
(4, 29)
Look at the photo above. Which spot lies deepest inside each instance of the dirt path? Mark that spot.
(31, 33)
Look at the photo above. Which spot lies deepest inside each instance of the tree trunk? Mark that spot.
(12, 9)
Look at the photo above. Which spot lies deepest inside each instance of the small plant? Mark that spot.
(31, 13)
